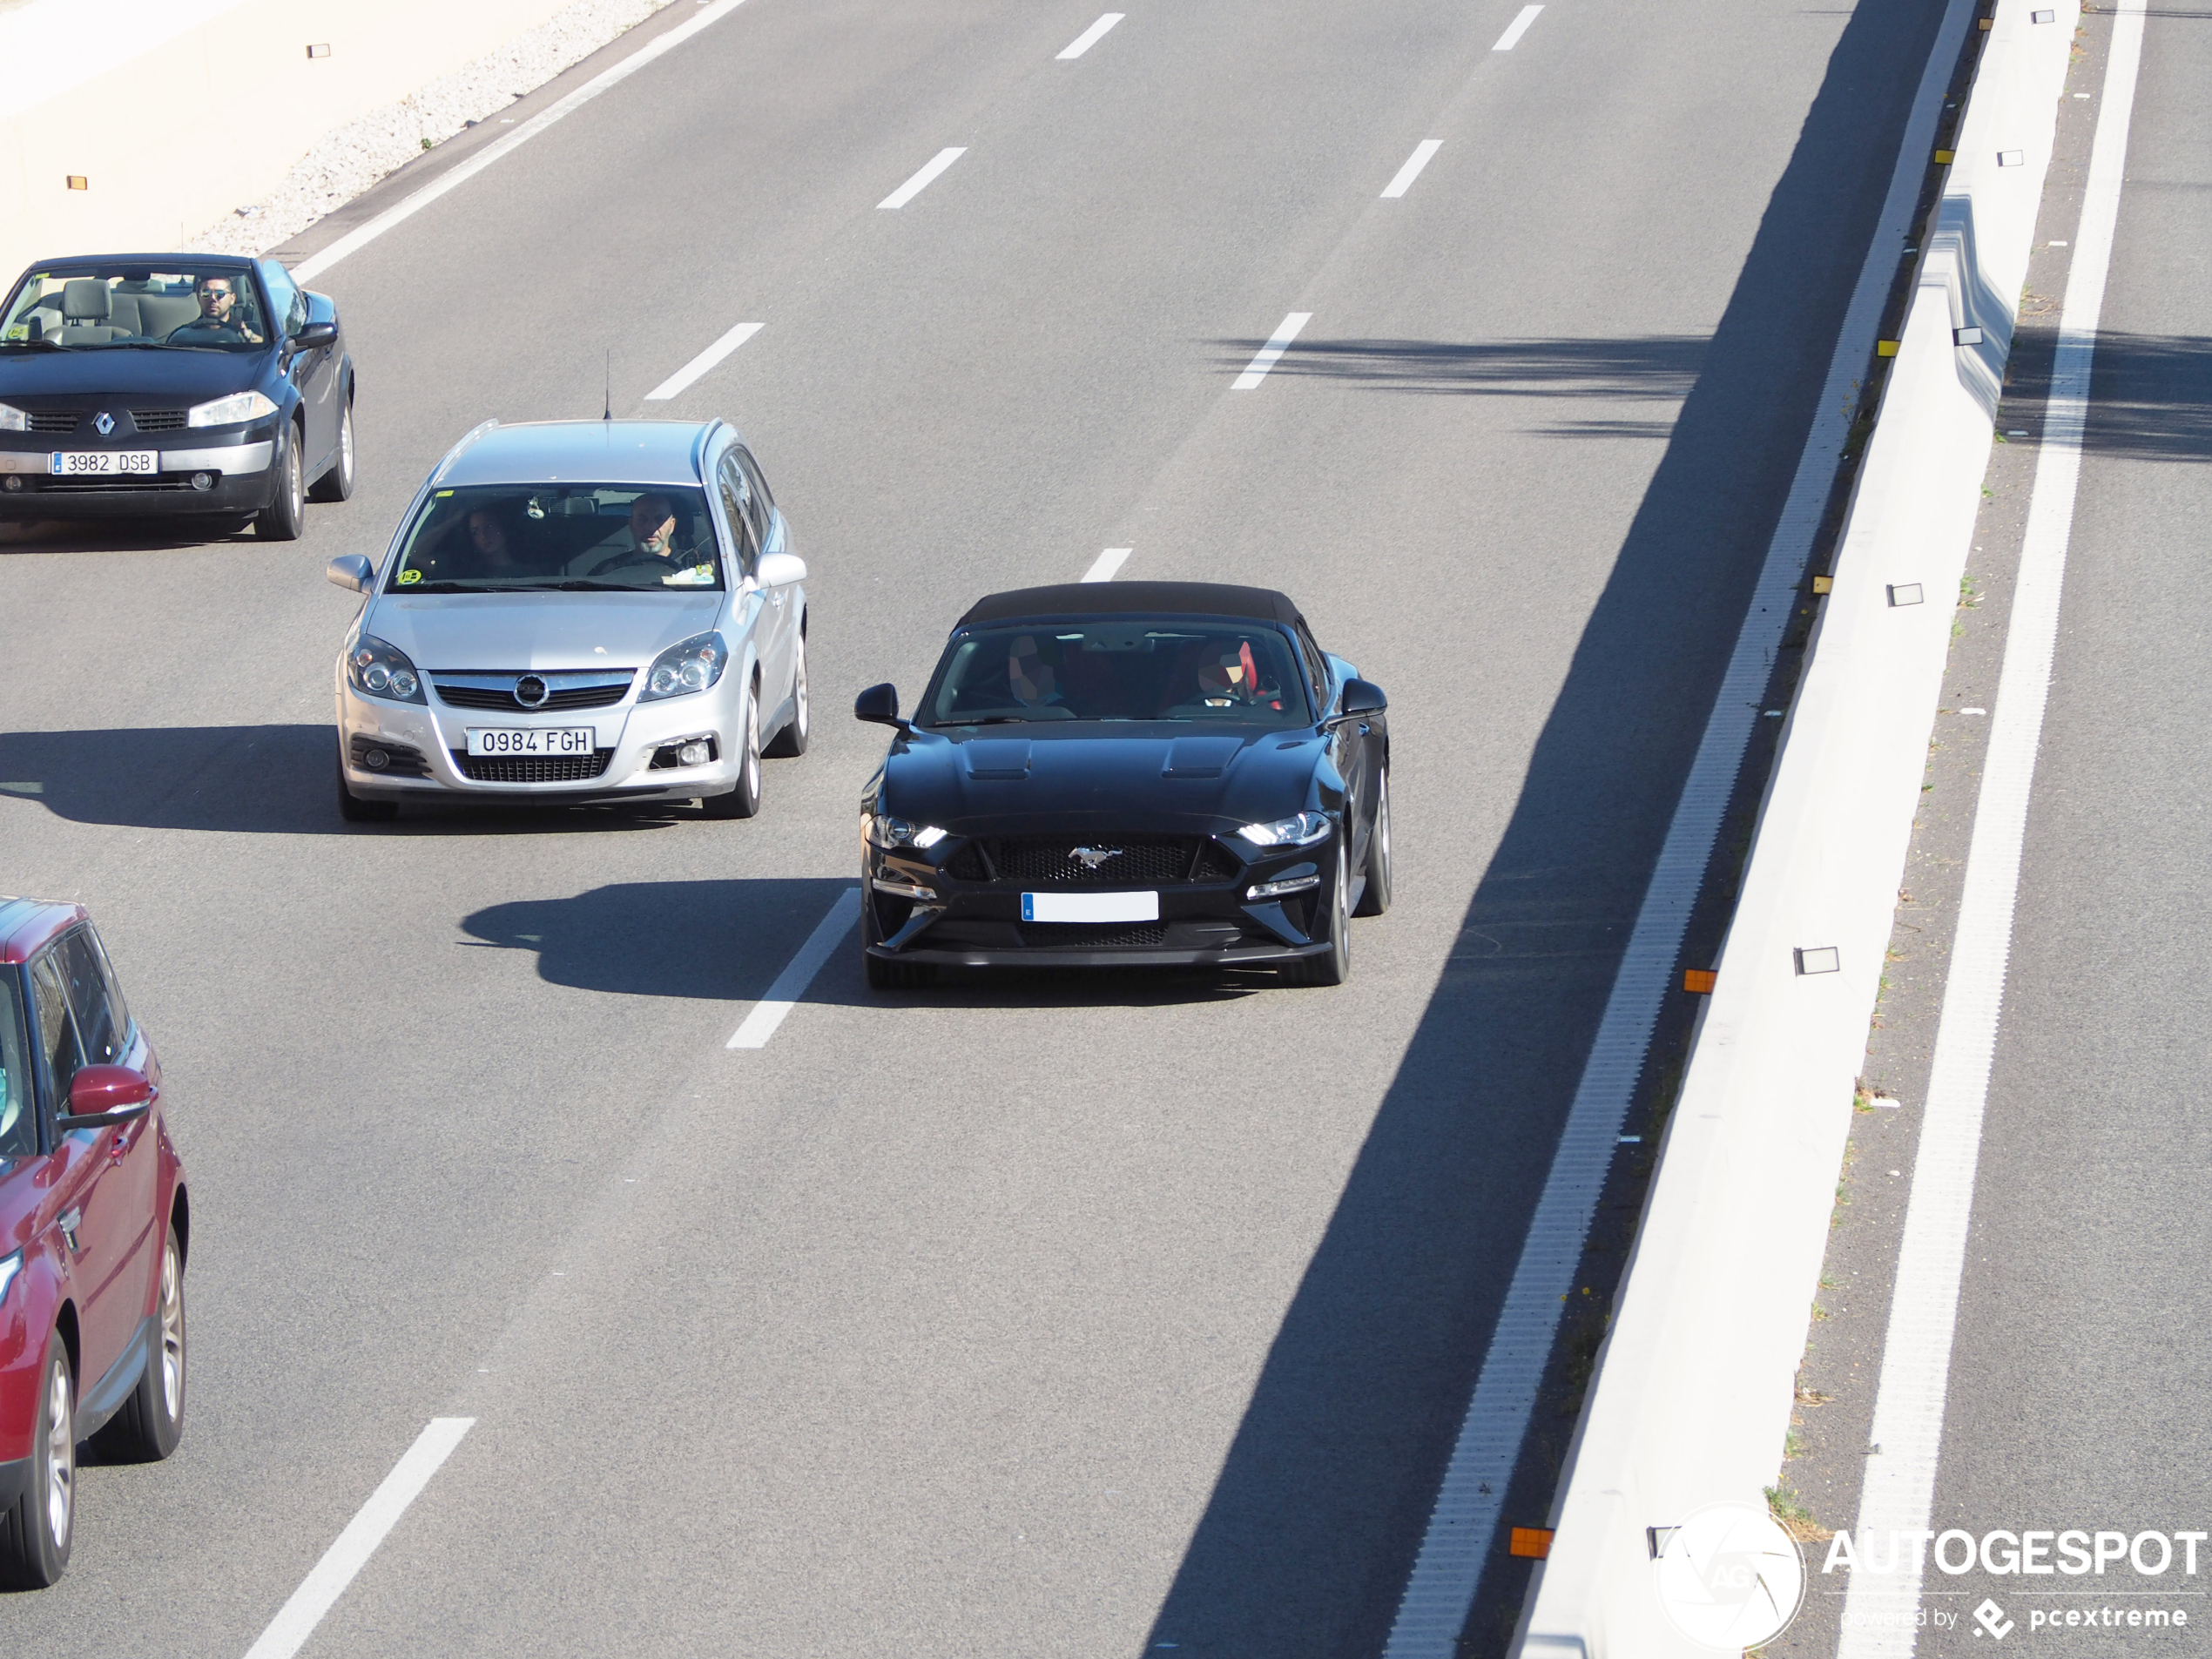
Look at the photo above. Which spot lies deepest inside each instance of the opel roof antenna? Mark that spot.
(610, 415)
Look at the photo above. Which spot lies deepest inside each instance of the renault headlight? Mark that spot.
(379, 669)
(13, 419)
(230, 411)
(1301, 831)
(690, 665)
(888, 831)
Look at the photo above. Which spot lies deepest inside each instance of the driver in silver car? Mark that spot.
(653, 543)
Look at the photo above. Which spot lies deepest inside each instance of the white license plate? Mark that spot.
(529, 740)
(102, 464)
(1090, 907)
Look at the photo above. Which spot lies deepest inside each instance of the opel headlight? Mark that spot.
(13, 419)
(690, 665)
(888, 831)
(230, 411)
(379, 669)
(1301, 831)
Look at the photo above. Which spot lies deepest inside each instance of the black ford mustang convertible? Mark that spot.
(1139, 773)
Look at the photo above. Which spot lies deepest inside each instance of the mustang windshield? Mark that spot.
(106, 306)
(582, 538)
(1212, 671)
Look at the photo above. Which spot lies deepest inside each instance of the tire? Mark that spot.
(1334, 966)
(37, 1529)
(790, 742)
(151, 1421)
(355, 810)
(743, 801)
(283, 517)
(337, 484)
(892, 976)
(1374, 899)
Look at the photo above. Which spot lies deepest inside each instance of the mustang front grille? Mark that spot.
(1094, 861)
(1086, 935)
(531, 769)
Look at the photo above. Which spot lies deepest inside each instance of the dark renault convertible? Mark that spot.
(172, 383)
(1141, 773)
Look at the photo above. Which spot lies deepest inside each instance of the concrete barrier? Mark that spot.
(175, 112)
(1692, 1389)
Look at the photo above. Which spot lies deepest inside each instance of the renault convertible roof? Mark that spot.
(1134, 598)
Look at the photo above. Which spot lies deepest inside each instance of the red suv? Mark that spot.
(93, 1225)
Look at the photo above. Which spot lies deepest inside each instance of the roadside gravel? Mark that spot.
(348, 161)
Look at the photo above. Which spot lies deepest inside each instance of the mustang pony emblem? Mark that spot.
(1092, 857)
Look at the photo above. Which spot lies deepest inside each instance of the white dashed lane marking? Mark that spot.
(921, 181)
(1422, 152)
(791, 984)
(706, 359)
(1091, 36)
(1265, 359)
(1102, 567)
(1516, 29)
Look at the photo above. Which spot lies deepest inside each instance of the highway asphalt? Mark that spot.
(1107, 1315)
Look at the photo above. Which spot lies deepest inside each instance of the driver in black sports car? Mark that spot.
(222, 321)
(652, 534)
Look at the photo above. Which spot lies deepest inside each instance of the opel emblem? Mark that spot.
(104, 423)
(1092, 857)
(530, 692)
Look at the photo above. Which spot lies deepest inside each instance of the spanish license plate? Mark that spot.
(103, 463)
(1090, 907)
(529, 740)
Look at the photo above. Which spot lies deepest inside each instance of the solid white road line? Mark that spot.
(1462, 1527)
(354, 240)
(320, 1590)
(1091, 36)
(1277, 345)
(920, 182)
(1102, 567)
(791, 984)
(1516, 29)
(1412, 170)
(1899, 1491)
(706, 359)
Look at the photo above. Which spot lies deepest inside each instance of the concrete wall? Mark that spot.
(178, 112)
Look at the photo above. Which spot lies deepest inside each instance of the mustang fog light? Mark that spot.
(203, 480)
(1276, 888)
(907, 890)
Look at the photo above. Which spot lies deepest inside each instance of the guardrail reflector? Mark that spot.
(1699, 981)
(1532, 1543)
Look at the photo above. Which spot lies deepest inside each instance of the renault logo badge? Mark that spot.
(1092, 857)
(104, 423)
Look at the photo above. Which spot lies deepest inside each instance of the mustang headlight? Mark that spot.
(379, 669)
(13, 419)
(689, 665)
(9, 1266)
(887, 831)
(1301, 831)
(230, 411)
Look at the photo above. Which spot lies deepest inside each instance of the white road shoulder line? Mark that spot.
(706, 359)
(791, 984)
(1422, 153)
(1898, 1492)
(1516, 29)
(1091, 36)
(1277, 343)
(1102, 567)
(1464, 1524)
(354, 240)
(296, 1620)
(921, 181)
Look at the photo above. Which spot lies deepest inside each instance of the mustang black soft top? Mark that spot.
(1134, 598)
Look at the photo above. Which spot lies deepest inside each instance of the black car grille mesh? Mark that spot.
(531, 769)
(158, 420)
(573, 696)
(1135, 861)
(55, 419)
(1086, 935)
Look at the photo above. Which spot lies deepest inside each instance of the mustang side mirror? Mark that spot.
(99, 1096)
(1362, 697)
(313, 334)
(879, 705)
(352, 572)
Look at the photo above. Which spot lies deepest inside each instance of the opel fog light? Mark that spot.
(694, 754)
(1301, 831)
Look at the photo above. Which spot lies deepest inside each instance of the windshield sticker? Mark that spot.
(442, 494)
(409, 578)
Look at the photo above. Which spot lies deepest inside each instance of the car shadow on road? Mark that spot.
(1325, 1490)
(727, 940)
(119, 534)
(251, 779)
